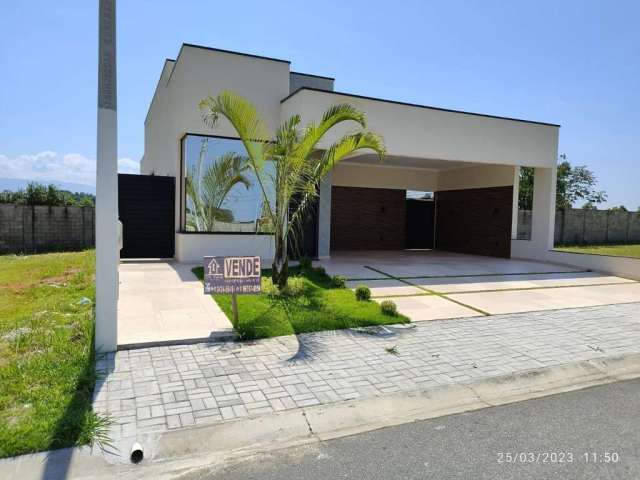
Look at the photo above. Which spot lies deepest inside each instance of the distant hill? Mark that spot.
(14, 184)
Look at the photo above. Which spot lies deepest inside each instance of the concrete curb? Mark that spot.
(178, 452)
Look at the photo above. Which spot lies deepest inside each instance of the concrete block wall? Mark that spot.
(33, 229)
(589, 227)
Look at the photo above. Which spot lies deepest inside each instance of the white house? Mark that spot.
(470, 161)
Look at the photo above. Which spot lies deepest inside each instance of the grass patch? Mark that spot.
(322, 306)
(47, 360)
(615, 250)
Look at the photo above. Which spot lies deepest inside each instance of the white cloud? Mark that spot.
(49, 166)
(126, 165)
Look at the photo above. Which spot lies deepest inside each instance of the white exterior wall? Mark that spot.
(196, 74)
(429, 133)
(543, 217)
(483, 176)
(154, 121)
(412, 178)
(620, 266)
(191, 247)
(383, 176)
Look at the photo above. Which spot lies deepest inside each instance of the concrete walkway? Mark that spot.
(153, 390)
(163, 302)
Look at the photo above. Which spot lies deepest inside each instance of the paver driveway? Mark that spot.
(429, 285)
(156, 389)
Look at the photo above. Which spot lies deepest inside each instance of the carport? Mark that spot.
(470, 163)
(433, 285)
(469, 209)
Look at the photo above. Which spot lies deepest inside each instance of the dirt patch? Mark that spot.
(57, 281)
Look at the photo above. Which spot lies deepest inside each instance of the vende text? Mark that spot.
(239, 267)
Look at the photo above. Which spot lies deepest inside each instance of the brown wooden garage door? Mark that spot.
(476, 221)
(367, 218)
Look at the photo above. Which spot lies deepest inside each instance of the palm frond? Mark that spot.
(298, 163)
(348, 145)
(246, 121)
(334, 115)
(242, 116)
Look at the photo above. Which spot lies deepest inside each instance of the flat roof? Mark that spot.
(416, 105)
(192, 45)
(311, 75)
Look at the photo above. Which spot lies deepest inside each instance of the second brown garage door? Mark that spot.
(367, 218)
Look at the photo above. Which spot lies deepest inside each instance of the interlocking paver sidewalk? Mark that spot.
(156, 389)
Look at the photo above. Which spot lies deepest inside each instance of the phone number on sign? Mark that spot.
(557, 457)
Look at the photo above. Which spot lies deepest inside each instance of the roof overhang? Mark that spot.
(421, 132)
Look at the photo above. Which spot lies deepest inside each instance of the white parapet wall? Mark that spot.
(626, 267)
(192, 247)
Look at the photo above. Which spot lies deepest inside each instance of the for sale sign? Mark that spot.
(232, 275)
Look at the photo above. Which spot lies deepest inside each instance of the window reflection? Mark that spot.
(221, 191)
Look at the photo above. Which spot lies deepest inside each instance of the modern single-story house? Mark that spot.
(470, 161)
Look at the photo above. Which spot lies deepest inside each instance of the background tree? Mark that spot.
(620, 208)
(299, 164)
(39, 194)
(574, 183)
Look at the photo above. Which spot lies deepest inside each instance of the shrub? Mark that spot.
(296, 286)
(339, 281)
(305, 264)
(320, 271)
(268, 288)
(388, 307)
(363, 293)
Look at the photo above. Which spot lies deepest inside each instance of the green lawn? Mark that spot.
(321, 307)
(616, 250)
(46, 352)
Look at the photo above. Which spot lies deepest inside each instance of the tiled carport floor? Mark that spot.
(430, 285)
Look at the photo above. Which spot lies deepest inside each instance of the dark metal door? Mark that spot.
(146, 206)
(419, 226)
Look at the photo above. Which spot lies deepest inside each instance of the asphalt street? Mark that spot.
(588, 434)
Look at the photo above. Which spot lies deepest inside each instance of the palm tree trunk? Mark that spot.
(280, 267)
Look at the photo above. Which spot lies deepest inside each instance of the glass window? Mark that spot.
(221, 192)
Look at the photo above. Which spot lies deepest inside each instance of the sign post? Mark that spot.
(234, 307)
(233, 276)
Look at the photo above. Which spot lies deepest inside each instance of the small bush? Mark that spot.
(305, 264)
(268, 288)
(339, 281)
(320, 271)
(296, 286)
(363, 293)
(388, 307)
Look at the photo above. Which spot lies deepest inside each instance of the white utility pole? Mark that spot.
(107, 249)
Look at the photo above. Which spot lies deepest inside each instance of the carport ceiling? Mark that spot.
(395, 161)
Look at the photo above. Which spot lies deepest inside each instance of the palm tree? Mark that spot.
(207, 190)
(298, 163)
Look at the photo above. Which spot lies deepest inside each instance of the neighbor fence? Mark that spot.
(588, 227)
(31, 229)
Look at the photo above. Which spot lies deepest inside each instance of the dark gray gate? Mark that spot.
(420, 223)
(146, 206)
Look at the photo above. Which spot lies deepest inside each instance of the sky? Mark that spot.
(576, 63)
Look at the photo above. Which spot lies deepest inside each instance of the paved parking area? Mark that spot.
(160, 388)
(432, 285)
